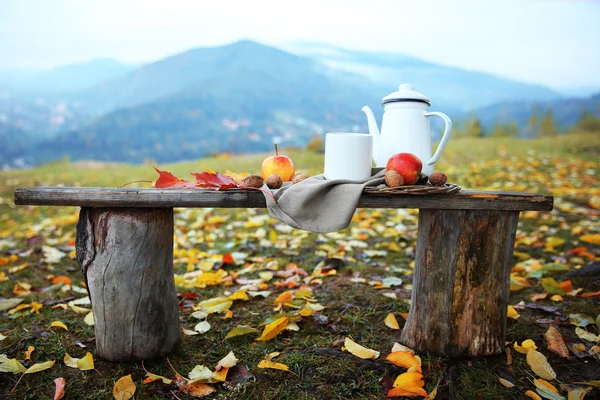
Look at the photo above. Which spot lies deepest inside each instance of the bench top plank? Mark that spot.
(237, 198)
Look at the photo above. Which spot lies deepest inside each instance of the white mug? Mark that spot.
(348, 156)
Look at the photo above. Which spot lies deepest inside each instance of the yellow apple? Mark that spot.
(278, 165)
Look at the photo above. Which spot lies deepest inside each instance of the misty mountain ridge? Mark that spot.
(242, 97)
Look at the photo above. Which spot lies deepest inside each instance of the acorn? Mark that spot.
(438, 178)
(393, 179)
(253, 181)
(299, 178)
(274, 181)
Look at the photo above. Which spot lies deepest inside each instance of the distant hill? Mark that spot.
(444, 85)
(64, 79)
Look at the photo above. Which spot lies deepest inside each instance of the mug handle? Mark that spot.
(445, 136)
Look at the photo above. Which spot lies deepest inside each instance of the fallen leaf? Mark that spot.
(273, 365)
(533, 395)
(59, 393)
(202, 327)
(578, 393)
(539, 365)
(89, 318)
(271, 330)
(512, 313)
(200, 373)
(547, 390)
(227, 362)
(409, 379)
(585, 335)
(391, 321)
(418, 391)
(525, 347)
(404, 359)
(84, 364)
(150, 377)
(11, 365)
(506, 383)
(240, 330)
(556, 343)
(59, 324)
(30, 350)
(593, 238)
(188, 332)
(198, 389)
(7, 304)
(359, 351)
(124, 388)
(581, 320)
(65, 280)
(217, 304)
(285, 297)
(167, 180)
(39, 367)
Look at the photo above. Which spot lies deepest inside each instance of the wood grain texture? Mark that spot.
(461, 282)
(126, 256)
(169, 198)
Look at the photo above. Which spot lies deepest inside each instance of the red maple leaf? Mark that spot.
(167, 180)
(215, 181)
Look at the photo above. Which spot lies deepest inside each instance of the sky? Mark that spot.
(551, 42)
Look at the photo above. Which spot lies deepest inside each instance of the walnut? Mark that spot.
(274, 181)
(438, 178)
(393, 179)
(253, 181)
(299, 178)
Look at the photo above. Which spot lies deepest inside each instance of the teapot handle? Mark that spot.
(445, 136)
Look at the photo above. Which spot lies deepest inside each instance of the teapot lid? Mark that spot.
(406, 92)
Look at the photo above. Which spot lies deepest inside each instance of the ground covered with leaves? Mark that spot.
(269, 312)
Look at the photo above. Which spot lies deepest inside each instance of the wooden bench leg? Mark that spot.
(126, 255)
(461, 282)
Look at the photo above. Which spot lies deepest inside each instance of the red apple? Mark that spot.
(278, 165)
(406, 164)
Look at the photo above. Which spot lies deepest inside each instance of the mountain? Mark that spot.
(238, 98)
(444, 85)
(62, 80)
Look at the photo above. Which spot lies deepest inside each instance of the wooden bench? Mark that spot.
(125, 249)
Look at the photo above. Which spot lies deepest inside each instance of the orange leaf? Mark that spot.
(30, 350)
(556, 344)
(408, 379)
(404, 359)
(273, 329)
(60, 388)
(228, 259)
(283, 298)
(533, 395)
(198, 389)
(567, 286)
(65, 280)
(408, 392)
(167, 180)
(391, 321)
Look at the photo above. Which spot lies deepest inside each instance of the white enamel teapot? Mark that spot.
(405, 128)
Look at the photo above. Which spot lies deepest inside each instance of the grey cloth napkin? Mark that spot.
(317, 204)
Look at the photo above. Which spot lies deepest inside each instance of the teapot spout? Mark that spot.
(373, 131)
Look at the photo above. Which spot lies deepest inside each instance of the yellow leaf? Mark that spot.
(578, 393)
(512, 313)
(221, 375)
(359, 351)
(408, 392)
(30, 350)
(556, 343)
(239, 295)
(40, 367)
(11, 365)
(59, 393)
(539, 364)
(84, 364)
(533, 395)
(273, 329)
(404, 359)
(408, 379)
(124, 388)
(227, 362)
(401, 347)
(59, 325)
(585, 335)
(285, 297)
(273, 365)
(525, 346)
(200, 373)
(518, 283)
(150, 377)
(217, 304)
(79, 310)
(556, 297)
(36, 307)
(593, 238)
(391, 321)
(89, 319)
(547, 390)
(506, 383)
(240, 330)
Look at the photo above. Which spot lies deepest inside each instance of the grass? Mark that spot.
(564, 166)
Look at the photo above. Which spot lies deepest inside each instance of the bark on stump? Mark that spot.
(126, 256)
(461, 282)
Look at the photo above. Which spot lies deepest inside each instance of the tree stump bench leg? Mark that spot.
(126, 255)
(461, 282)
